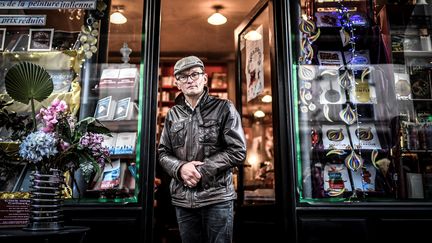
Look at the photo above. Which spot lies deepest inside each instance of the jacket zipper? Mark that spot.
(188, 149)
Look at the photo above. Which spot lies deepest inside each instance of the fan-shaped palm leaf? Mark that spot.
(26, 81)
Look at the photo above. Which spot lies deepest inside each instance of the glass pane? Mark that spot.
(257, 110)
(97, 75)
(364, 101)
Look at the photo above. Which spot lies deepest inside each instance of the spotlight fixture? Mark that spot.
(117, 17)
(217, 18)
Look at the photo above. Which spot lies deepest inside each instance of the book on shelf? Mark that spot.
(167, 81)
(120, 143)
(127, 78)
(124, 109)
(125, 143)
(109, 142)
(110, 176)
(219, 81)
(105, 108)
(109, 78)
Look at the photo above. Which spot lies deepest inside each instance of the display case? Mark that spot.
(73, 41)
(361, 74)
(363, 102)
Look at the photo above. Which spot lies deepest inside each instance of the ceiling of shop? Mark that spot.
(184, 27)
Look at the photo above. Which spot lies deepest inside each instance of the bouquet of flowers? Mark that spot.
(60, 142)
(57, 140)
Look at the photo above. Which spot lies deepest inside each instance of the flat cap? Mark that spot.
(186, 63)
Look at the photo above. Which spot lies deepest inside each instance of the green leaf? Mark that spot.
(26, 81)
(97, 129)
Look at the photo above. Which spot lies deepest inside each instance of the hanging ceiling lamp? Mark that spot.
(253, 35)
(117, 17)
(217, 18)
(259, 113)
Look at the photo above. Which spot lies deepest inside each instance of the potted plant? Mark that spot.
(58, 142)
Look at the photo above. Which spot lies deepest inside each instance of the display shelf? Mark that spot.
(410, 53)
(121, 126)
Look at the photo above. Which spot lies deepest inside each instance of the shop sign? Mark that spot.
(23, 20)
(48, 4)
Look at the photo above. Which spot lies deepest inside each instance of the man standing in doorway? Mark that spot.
(201, 142)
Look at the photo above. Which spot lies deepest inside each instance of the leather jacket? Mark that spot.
(213, 134)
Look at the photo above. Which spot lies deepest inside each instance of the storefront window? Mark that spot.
(94, 66)
(364, 103)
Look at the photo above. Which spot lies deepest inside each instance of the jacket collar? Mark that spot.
(181, 100)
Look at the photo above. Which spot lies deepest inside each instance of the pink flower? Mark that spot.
(64, 145)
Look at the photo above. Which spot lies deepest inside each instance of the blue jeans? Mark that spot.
(209, 224)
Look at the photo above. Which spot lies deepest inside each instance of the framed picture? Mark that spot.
(2, 38)
(40, 39)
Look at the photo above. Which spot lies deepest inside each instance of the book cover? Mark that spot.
(336, 178)
(364, 136)
(124, 109)
(364, 178)
(125, 143)
(335, 137)
(128, 77)
(109, 78)
(111, 175)
(105, 108)
(110, 142)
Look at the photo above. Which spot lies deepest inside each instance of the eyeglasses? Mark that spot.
(193, 76)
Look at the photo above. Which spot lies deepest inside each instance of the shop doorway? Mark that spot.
(185, 31)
